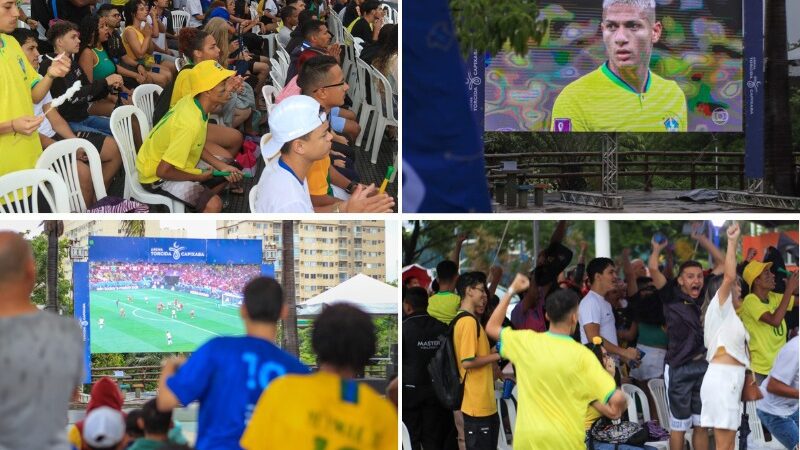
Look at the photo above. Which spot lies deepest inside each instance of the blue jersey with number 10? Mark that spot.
(227, 375)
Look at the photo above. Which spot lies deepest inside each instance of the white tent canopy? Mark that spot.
(369, 294)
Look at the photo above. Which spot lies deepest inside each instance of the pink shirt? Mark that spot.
(289, 90)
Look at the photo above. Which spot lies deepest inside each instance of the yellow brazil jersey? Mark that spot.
(177, 139)
(321, 411)
(558, 379)
(317, 176)
(443, 306)
(17, 78)
(601, 101)
(479, 398)
(182, 86)
(765, 340)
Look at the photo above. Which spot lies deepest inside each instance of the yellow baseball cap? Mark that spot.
(208, 74)
(753, 270)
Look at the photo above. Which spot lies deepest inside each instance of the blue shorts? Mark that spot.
(337, 123)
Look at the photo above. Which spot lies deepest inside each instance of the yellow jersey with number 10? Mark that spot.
(321, 412)
(601, 101)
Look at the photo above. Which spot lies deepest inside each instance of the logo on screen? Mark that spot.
(176, 251)
(563, 125)
(671, 123)
(720, 116)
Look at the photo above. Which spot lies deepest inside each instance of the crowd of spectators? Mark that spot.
(699, 328)
(211, 113)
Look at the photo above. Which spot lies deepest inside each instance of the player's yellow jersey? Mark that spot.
(601, 101)
(321, 411)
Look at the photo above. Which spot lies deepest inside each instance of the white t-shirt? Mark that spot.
(45, 128)
(723, 328)
(270, 6)
(595, 309)
(193, 7)
(161, 40)
(284, 35)
(279, 191)
(785, 370)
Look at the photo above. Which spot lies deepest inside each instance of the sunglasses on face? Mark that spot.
(331, 86)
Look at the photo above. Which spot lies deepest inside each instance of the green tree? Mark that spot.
(40, 245)
(487, 26)
(133, 228)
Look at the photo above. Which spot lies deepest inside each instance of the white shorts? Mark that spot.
(652, 365)
(721, 394)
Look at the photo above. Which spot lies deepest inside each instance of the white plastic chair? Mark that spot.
(269, 93)
(19, 188)
(659, 392)
(367, 107)
(62, 158)
(271, 40)
(358, 44)
(122, 129)
(632, 393)
(385, 111)
(179, 20)
(277, 74)
(757, 437)
(144, 99)
(21, 24)
(389, 14)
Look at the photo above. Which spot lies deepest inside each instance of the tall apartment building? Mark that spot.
(326, 252)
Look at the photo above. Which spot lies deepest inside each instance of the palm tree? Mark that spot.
(54, 230)
(778, 124)
(133, 228)
(289, 340)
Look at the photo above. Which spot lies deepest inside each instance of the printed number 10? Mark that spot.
(263, 373)
(322, 444)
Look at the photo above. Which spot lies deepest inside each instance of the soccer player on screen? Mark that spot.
(623, 94)
(169, 338)
(101, 322)
(122, 312)
(191, 314)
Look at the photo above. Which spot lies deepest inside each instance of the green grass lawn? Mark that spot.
(143, 329)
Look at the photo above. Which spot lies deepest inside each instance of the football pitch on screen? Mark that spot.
(144, 329)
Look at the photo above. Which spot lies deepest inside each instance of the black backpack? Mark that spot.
(443, 368)
(606, 431)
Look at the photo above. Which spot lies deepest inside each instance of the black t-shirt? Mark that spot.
(350, 14)
(362, 30)
(420, 343)
(684, 330)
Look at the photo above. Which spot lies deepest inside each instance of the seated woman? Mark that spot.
(243, 104)
(64, 38)
(137, 38)
(54, 128)
(96, 64)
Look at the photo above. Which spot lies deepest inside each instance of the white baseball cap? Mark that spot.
(292, 118)
(104, 427)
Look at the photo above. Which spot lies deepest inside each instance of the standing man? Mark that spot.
(623, 94)
(41, 356)
(595, 314)
(558, 379)
(228, 374)
(444, 304)
(429, 424)
(686, 352)
(476, 364)
(763, 312)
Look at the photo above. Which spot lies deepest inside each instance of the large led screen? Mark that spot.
(623, 67)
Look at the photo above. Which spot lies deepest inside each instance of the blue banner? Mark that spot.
(268, 270)
(443, 160)
(754, 88)
(476, 69)
(176, 251)
(80, 293)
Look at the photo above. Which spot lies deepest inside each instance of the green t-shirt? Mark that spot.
(443, 306)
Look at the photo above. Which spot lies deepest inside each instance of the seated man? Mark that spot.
(300, 135)
(173, 160)
(55, 128)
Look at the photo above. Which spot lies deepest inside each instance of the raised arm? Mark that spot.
(495, 324)
(716, 255)
(627, 269)
(559, 232)
(457, 250)
(659, 280)
(729, 277)
(495, 275)
(166, 400)
(776, 317)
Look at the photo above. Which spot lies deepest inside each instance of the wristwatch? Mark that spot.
(350, 187)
